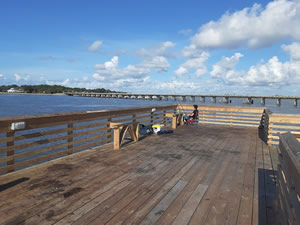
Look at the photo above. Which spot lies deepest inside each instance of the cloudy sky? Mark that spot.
(157, 46)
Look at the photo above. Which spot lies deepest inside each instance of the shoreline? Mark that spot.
(56, 94)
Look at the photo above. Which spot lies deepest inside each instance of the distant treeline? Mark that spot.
(51, 89)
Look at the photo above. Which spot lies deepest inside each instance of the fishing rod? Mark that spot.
(178, 103)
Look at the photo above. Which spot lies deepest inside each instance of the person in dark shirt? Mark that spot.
(195, 113)
(192, 116)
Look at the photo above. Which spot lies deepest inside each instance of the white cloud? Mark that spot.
(185, 31)
(20, 78)
(73, 82)
(225, 69)
(196, 61)
(153, 59)
(95, 46)
(255, 27)
(1, 76)
(273, 73)
(158, 63)
(159, 50)
(66, 82)
(110, 71)
(293, 50)
(177, 86)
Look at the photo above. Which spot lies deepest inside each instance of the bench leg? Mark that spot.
(174, 122)
(134, 132)
(116, 138)
(180, 118)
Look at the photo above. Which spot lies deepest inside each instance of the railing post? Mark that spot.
(230, 119)
(151, 116)
(109, 130)
(164, 118)
(70, 139)
(12, 152)
(203, 117)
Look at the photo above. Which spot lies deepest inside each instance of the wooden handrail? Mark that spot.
(46, 137)
(60, 134)
(279, 123)
(44, 120)
(227, 115)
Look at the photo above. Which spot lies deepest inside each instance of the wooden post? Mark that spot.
(164, 118)
(109, 130)
(70, 139)
(116, 138)
(152, 118)
(230, 119)
(133, 118)
(9, 153)
(180, 118)
(174, 122)
(203, 118)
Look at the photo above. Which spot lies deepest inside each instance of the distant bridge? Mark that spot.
(224, 98)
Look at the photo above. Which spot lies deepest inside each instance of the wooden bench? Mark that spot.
(289, 178)
(120, 130)
(176, 119)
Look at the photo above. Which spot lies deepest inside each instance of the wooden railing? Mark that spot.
(46, 137)
(289, 178)
(29, 140)
(282, 123)
(227, 116)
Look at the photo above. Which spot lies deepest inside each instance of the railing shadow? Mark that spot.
(268, 202)
(262, 135)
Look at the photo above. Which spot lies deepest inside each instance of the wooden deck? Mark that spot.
(198, 175)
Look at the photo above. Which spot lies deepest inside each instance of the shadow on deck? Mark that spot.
(197, 175)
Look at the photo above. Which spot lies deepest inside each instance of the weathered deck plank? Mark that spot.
(198, 175)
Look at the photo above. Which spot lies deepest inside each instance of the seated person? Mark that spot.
(193, 115)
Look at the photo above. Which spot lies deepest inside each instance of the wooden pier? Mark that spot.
(198, 175)
(221, 171)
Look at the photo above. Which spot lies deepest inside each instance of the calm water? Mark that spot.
(20, 105)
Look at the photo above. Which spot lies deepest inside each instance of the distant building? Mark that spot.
(13, 90)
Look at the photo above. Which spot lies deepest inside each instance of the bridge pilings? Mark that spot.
(278, 101)
(213, 99)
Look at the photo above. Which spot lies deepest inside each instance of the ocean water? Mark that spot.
(20, 105)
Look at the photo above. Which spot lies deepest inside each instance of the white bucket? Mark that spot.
(156, 128)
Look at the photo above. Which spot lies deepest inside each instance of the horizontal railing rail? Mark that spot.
(282, 123)
(29, 140)
(227, 116)
(289, 178)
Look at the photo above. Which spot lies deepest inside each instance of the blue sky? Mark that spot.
(167, 46)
